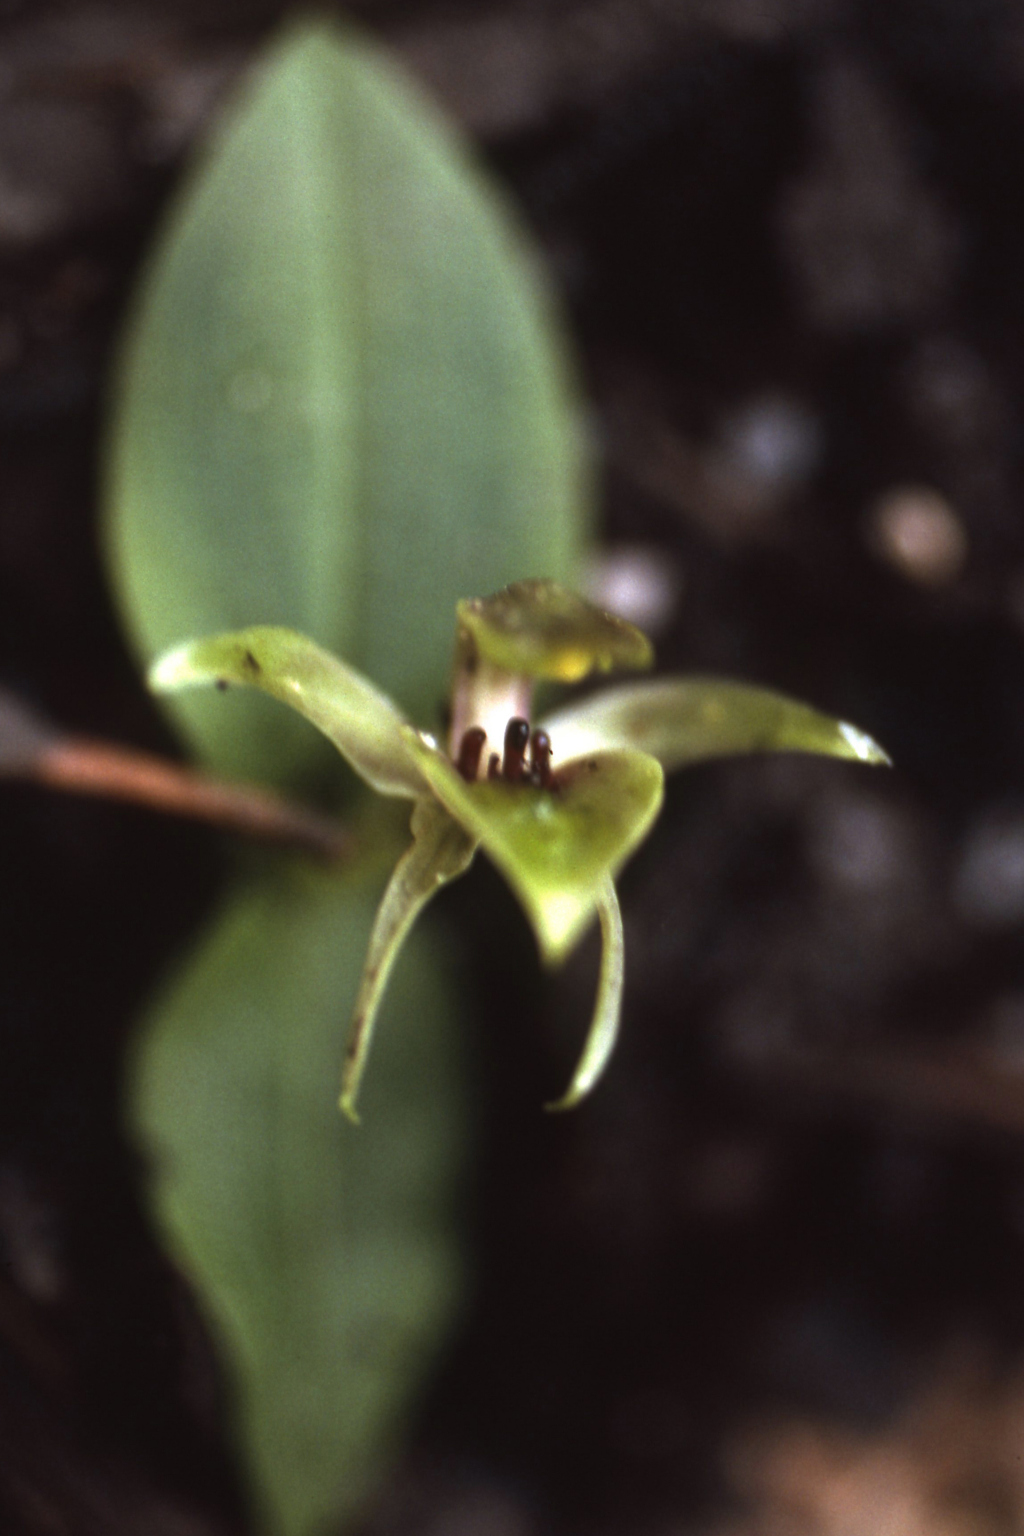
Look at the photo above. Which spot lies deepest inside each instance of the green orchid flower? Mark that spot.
(559, 807)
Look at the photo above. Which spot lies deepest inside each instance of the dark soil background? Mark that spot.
(768, 1282)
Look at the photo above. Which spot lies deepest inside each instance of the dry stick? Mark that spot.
(86, 767)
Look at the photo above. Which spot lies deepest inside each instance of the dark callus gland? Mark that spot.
(517, 736)
(470, 748)
(513, 768)
(540, 759)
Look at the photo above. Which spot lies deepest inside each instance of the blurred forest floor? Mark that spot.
(770, 1281)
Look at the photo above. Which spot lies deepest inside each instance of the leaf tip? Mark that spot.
(347, 1105)
(569, 1100)
(171, 671)
(863, 747)
(559, 921)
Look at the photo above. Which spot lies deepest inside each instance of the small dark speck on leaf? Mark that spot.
(222, 685)
(252, 663)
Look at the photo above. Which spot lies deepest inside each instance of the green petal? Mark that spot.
(557, 848)
(682, 720)
(363, 723)
(604, 1026)
(440, 851)
(540, 629)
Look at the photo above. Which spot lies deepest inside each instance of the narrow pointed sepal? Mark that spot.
(558, 846)
(358, 718)
(604, 1026)
(682, 720)
(440, 851)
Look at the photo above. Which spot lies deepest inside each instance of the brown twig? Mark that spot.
(88, 767)
(32, 748)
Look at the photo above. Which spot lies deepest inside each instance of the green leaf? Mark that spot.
(439, 852)
(556, 847)
(343, 403)
(682, 720)
(604, 1026)
(540, 629)
(324, 1256)
(362, 722)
